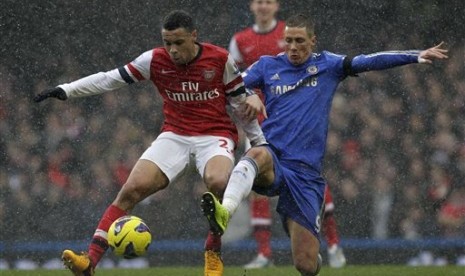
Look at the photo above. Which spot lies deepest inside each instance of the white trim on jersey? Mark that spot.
(231, 73)
(234, 50)
(256, 28)
(407, 53)
(142, 64)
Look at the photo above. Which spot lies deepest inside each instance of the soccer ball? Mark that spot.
(129, 237)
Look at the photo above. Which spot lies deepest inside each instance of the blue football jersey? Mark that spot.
(298, 98)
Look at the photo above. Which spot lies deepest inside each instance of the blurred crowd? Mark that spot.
(396, 146)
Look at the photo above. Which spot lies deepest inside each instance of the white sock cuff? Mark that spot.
(251, 161)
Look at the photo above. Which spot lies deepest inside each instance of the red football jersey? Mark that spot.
(252, 45)
(194, 95)
(247, 46)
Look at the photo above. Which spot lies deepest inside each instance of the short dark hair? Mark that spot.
(178, 19)
(301, 21)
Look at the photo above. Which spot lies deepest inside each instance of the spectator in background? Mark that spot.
(451, 219)
(451, 215)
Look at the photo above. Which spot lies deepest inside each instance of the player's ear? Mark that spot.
(313, 40)
(251, 3)
(194, 35)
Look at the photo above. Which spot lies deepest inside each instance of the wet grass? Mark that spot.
(378, 270)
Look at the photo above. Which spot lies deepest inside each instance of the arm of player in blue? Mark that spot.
(383, 60)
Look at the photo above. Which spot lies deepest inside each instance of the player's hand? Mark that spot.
(56, 92)
(254, 106)
(436, 52)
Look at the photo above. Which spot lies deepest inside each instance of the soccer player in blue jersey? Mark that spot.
(298, 86)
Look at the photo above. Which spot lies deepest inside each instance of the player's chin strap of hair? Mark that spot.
(347, 67)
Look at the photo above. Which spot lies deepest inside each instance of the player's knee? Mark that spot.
(257, 153)
(133, 192)
(261, 157)
(216, 182)
(307, 267)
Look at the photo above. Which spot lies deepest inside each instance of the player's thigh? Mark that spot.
(214, 160)
(147, 176)
(216, 174)
(170, 153)
(145, 179)
(305, 246)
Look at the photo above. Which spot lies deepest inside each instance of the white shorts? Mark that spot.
(172, 152)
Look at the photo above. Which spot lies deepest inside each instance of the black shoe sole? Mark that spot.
(208, 208)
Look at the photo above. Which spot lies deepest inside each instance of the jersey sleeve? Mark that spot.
(138, 69)
(94, 84)
(336, 62)
(232, 78)
(234, 50)
(383, 60)
(252, 76)
(101, 82)
(235, 91)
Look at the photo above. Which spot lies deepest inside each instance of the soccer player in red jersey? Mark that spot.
(196, 82)
(265, 37)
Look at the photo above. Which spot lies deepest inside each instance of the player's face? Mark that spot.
(180, 45)
(264, 10)
(299, 44)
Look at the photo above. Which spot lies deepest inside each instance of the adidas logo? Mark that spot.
(275, 77)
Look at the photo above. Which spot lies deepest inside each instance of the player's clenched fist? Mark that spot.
(56, 92)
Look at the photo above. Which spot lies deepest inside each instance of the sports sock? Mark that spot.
(99, 243)
(330, 230)
(213, 242)
(262, 235)
(261, 220)
(240, 183)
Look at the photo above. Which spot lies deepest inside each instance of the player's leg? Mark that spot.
(336, 256)
(145, 179)
(153, 172)
(257, 163)
(216, 176)
(239, 186)
(261, 223)
(215, 160)
(255, 168)
(305, 248)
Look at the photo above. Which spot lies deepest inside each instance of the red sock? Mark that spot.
(330, 230)
(262, 235)
(99, 243)
(213, 242)
(261, 209)
(261, 220)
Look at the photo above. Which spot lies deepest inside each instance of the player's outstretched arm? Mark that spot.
(91, 85)
(56, 92)
(436, 52)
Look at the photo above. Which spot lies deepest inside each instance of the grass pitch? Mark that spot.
(378, 270)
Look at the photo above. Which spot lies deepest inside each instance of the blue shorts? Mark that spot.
(301, 193)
